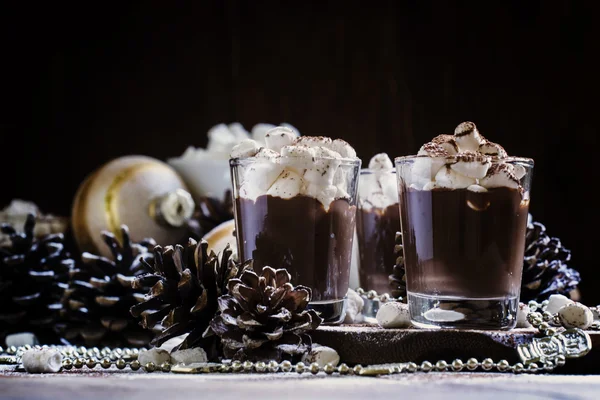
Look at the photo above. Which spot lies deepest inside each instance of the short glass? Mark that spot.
(463, 248)
(377, 221)
(313, 241)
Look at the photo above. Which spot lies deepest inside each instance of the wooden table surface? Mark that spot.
(113, 385)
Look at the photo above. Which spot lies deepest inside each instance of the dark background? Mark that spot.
(83, 84)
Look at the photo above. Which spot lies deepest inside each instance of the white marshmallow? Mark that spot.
(477, 189)
(393, 315)
(297, 157)
(446, 142)
(42, 361)
(290, 126)
(519, 171)
(246, 148)
(355, 306)
(287, 185)
(429, 186)
(238, 131)
(278, 137)
(522, 312)
(500, 175)
(492, 149)
(471, 165)
(325, 165)
(156, 355)
(314, 141)
(220, 139)
(258, 179)
(380, 161)
(189, 356)
(448, 178)
(259, 131)
(556, 302)
(321, 355)
(343, 148)
(268, 155)
(467, 137)
(325, 195)
(576, 315)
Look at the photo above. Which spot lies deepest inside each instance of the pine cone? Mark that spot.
(398, 278)
(100, 294)
(264, 317)
(33, 276)
(185, 287)
(209, 213)
(545, 270)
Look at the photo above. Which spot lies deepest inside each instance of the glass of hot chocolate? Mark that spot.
(463, 210)
(295, 208)
(377, 221)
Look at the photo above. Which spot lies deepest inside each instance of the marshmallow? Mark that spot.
(576, 315)
(314, 141)
(522, 312)
(467, 137)
(290, 126)
(220, 139)
(321, 355)
(325, 165)
(355, 306)
(325, 195)
(45, 360)
(268, 155)
(393, 315)
(238, 131)
(381, 161)
(278, 137)
(154, 355)
(477, 189)
(448, 178)
(189, 356)
(492, 149)
(297, 157)
(556, 302)
(258, 179)
(519, 171)
(259, 131)
(446, 142)
(287, 185)
(343, 148)
(246, 148)
(500, 175)
(471, 165)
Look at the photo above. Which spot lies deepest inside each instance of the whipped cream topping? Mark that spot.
(223, 138)
(464, 160)
(288, 165)
(378, 189)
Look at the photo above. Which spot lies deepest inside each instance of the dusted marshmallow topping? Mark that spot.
(464, 160)
(289, 165)
(377, 189)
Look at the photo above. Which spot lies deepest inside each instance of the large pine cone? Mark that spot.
(186, 284)
(33, 276)
(398, 277)
(264, 317)
(100, 294)
(545, 270)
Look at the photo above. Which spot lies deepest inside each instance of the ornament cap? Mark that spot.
(174, 208)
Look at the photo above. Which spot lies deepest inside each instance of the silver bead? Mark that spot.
(105, 351)
(543, 326)
(560, 360)
(1, 349)
(518, 368)
(371, 294)
(120, 363)
(135, 351)
(82, 350)
(273, 366)
(357, 368)
(487, 364)
(27, 347)
(91, 363)
(135, 365)
(225, 368)
(533, 367)
(127, 351)
(441, 365)
(502, 365)
(247, 365)
(384, 298)
(67, 364)
(360, 291)
(105, 363)
(550, 332)
(150, 367)
(236, 366)
(457, 365)
(329, 369)
(549, 366)
(300, 367)
(537, 321)
(412, 367)
(426, 366)
(165, 367)
(11, 350)
(533, 305)
(343, 369)
(472, 364)
(260, 366)
(78, 363)
(314, 368)
(95, 350)
(545, 303)
(286, 366)
(546, 316)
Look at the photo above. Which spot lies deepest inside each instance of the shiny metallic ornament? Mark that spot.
(135, 365)
(78, 363)
(67, 364)
(105, 363)
(260, 366)
(120, 363)
(165, 367)
(441, 365)
(426, 366)
(150, 367)
(329, 369)
(91, 363)
(300, 367)
(286, 366)
(343, 369)
(273, 366)
(457, 365)
(314, 368)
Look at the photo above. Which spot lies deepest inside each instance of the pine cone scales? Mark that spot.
(184, 290)
(265, 317)
(397, 278)
(100, 294)
(545, 270)
(33, 275)
(209, 213)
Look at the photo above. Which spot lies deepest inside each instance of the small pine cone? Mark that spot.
(264, 317)
(545, 270)
(100, 294)
(209, 213)
(185, 286)
(33, 276)
(398, 276)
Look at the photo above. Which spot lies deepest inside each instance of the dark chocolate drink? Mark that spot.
(313, 244)
(376, 229)
(464, 243)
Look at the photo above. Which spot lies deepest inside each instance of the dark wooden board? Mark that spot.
(366, 345)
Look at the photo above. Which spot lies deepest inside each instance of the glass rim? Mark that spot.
(494, 160)
(353, 162)
(375, 171)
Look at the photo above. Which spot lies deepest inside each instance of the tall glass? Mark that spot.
(309, 234)
(378, 220)
(463, 247)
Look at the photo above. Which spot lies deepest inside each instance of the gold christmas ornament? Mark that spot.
(141, 192)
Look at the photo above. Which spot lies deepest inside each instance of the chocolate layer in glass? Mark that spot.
(313, 244)
(376, 229)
